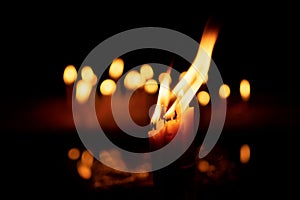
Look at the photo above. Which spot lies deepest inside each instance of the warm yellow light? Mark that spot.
(224, 91)
(196, 74)
(87, 74)
(181, 75)
(203, 166)
(205, 79)
(203, 98)
(108, 87)
(83, 90)
(84, 171)
(133, 80)
(163, 95)
(70, 74)
(165, 76)
(151, 86)
(87, 158)
(245, 89)
(146, 71)
(74, 153)
(116, 68)
(245, 153)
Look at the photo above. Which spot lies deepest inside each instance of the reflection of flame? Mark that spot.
(196, 74)
(245, 153)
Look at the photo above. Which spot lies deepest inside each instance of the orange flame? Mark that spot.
(196, 74)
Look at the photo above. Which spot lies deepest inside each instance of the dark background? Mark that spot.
(256, 42)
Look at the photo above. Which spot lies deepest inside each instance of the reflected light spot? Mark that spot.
(108, 87)
(70, 74)
(245, 153)
(203, 166)
(224, 91)
(116, 68)
(151, 86)
(84, 171)
(146, 71)
(87, 158)
(74, 153)
(203, 98)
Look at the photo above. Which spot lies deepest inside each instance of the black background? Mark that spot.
(260, 43)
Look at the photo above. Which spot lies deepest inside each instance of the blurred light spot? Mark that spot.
(87, 158)
(83, 90)
(116, 68)
(245, 89)
(146, 71)
(151, 86)
(84, 171)
(133, 80)
(74, 153)
(245, 153)
(203, 166)
(87, 74)
(70, 74)
(107, 87)
(164, 75)
(224, 91)
(113, 159)
(203, 98)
